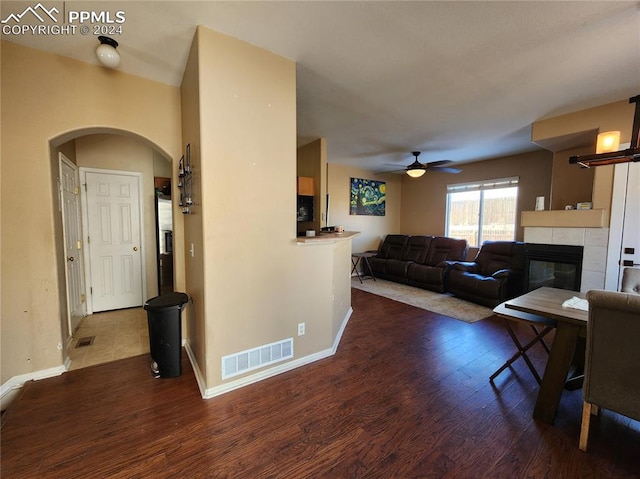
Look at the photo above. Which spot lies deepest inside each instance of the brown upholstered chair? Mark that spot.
(631, 280)
(612, 366)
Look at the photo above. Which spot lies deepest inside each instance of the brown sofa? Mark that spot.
(417, 260)
(495, 275)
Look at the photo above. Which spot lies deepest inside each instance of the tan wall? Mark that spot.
(258, 283)
(424, 198)
(193, 227)
(612, 116)
(117, 152)
(45, 97)
(570, 183)
(372, 228)
(161, 166)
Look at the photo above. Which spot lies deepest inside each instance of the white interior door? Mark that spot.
(72, 232)
(630, 251)
(113, 220)
(624, 235)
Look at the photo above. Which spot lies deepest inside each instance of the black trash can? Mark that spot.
(165, 333)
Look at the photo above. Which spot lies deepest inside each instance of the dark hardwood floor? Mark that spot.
(407, 395)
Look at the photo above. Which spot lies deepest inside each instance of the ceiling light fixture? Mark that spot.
(416, 169)
(607, 152)
(107, 53)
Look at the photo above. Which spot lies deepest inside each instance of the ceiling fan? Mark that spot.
(417, 169)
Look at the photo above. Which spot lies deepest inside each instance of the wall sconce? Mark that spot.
(107, 53)
(185, 182)
(607, 152)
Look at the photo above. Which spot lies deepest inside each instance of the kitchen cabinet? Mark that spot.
(306, 186)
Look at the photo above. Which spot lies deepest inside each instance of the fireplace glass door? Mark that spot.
(554, 266)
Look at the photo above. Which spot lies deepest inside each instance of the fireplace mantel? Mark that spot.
(565, 218)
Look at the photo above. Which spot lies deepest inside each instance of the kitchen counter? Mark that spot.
(322, 238)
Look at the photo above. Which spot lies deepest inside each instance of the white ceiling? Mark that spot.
(458, 81)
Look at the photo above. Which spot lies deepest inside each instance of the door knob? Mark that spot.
(70, 258)
(135, 248)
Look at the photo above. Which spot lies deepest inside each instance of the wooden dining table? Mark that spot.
(571, 325)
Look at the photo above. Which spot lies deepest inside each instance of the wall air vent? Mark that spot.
(244, 361)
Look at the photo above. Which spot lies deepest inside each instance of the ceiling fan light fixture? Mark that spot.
(416, 169)
(416, 172)
(107, 53)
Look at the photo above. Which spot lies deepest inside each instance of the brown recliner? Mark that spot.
(495, 275)
(391, 248)
(612, 365)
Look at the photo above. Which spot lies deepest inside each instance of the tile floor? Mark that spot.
(118, 334)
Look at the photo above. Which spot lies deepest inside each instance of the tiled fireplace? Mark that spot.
(593, 240)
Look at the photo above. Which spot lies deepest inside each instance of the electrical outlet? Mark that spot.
(300, 329)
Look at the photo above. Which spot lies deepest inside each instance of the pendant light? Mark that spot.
(607, 152)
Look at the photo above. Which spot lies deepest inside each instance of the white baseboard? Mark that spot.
(209, 393)
(17, 382)
(196, 370)
(336, 341)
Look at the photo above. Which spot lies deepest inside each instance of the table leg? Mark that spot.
(366, 262)
(355, 268)
(555, 373)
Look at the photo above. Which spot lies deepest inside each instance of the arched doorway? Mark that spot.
(117, 333)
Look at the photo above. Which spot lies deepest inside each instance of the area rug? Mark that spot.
(444, 304)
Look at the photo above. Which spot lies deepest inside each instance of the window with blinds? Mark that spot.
(482, 211)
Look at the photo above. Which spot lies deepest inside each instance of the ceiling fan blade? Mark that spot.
(438, 163)
(443, 169)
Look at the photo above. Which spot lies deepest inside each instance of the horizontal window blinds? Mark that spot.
(484, 185)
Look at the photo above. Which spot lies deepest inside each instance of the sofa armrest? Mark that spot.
(467, 266)
(502, 273)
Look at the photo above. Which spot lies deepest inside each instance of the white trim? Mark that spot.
(208, 393)
(484, 185)
(67, 363)
(616, 225)
(202, 385)
(17, 382)
(343, 326)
